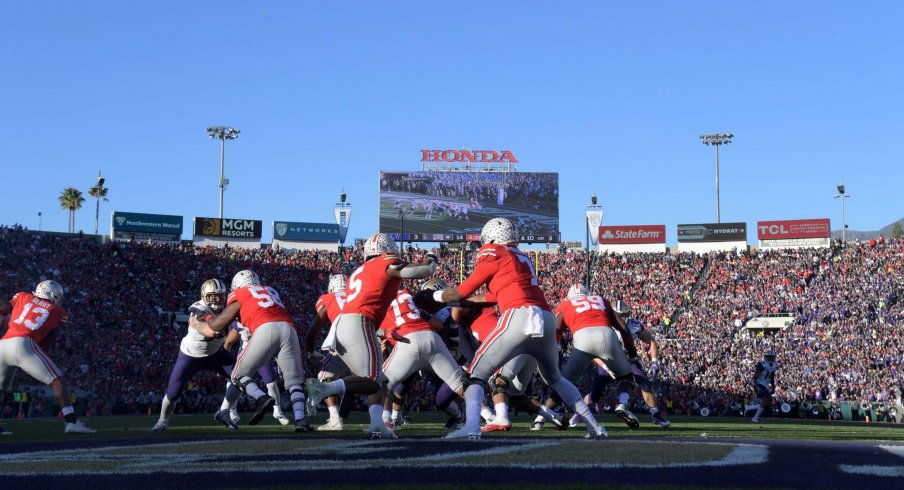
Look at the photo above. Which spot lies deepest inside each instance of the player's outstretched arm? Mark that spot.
(213, 326)
(413, 271)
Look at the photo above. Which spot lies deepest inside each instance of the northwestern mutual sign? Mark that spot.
(146, 223)
(306, 232)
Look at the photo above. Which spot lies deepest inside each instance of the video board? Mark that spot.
(453, 206)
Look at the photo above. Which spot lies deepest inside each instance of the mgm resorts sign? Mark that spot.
(228, 228)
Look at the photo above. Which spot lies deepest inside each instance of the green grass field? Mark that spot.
(430, 425)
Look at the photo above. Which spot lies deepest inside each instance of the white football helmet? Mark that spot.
(213, 294)
(49, 290)
(244, 279)
(337, 283)
(499, 231)
(577, 291)
(380, 244)
(435, 285)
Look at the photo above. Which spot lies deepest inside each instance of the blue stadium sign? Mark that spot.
(305, 232)
(142, 225)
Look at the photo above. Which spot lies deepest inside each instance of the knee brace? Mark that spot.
(242, 383)
(500, 385)
(625, 383)
(476, 381)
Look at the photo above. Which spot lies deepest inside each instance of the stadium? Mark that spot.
(539, 288)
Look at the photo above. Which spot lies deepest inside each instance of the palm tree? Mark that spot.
(98, 192)
(71, 199)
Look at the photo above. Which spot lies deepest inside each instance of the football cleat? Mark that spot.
(382, 432)
(4, 432)
(234, 415)
(659, 420)
(536, 426)
(78, 427)
(332, 425)
(303, 426)
(280, 417)
(264, 403)
(562, 422)
(223, 417)
(599, 434)
(496, 428)
(464, 433)
(755, 420)
(574, 421)
(453, 423)
(315, 394)
(394, 424)
(160, 426)
(623, 413)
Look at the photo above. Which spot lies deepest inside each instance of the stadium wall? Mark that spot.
(705, 247)
(631, 248)
(294, 245)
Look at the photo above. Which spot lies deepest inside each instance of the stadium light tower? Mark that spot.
(39, 220)
(717, 140)
(592, 209)
(222, 133)
(841, 195)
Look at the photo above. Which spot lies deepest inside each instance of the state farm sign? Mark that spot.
(632, 234)
(798, 228)
(481, 156)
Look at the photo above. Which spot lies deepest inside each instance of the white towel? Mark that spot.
(329, 343)
(533, 327)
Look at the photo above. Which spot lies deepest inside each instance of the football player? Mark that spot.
(238, 333)
(511, 385)
(602, 377)
(764, 384)
(416, 346)
(371, 289)
(33, 326)
(593, 324)
(199, 352)
(525, 327)
(328, 307)
(260, 309)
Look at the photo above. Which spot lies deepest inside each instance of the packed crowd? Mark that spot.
(538, 191)
(847, 342)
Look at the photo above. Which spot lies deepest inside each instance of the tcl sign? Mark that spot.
(799, 228)
(481, 156)
(632, 234)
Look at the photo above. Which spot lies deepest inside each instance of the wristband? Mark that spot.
(438, 296)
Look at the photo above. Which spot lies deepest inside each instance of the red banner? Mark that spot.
(632, 234)
(797, 228)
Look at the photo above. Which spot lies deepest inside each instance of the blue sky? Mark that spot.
(612, 95)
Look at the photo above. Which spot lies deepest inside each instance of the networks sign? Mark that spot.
(306, 232)
(228, 228)
(625, 234)
(713, 232)
(147, 223)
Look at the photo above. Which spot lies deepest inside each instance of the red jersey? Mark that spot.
(585, 311)
(260, 305)
(34, 317)
(333, 302)
(509, 275)
(370, 289)
(404, 317)
(484, 324)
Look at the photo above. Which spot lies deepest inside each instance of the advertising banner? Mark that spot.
(712, 232)
(228, 228)
(143, 226)
(343, 214)
(788, 229)
(619, 234)
(306, 232)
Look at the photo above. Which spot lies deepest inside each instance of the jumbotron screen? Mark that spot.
(454, 206)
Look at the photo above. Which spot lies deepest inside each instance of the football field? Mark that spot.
(695, 452)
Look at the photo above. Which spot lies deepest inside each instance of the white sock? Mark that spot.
(166, 409)
(759, 411)
(376, 412)
(334, 412)
(389, 415)
(226, 405)
(540, 418)
(334, 388)
(653, 410)
(273, 390)
(501, 414)
(485, 412)
(547, 414)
